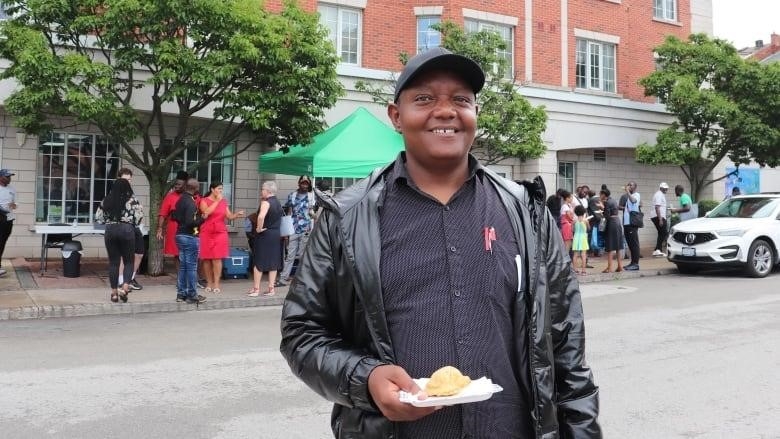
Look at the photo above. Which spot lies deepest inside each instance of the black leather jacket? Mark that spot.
(334, 330)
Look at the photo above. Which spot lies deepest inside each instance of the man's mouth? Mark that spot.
(444, 131)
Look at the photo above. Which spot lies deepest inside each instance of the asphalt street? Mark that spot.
(675, 357)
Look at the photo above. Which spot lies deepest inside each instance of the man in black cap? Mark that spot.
(437, 261)
(7, 208)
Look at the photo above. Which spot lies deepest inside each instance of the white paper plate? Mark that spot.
(477, 390)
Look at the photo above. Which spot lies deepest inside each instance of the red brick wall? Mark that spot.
(389, 27)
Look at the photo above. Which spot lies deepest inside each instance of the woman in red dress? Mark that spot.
(213, 234)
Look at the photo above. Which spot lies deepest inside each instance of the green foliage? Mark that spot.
(217, 70)
(725, 107)
(509, 126)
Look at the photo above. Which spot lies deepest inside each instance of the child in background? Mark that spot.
(580, 242)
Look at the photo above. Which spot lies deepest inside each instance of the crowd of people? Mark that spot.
(593, 224)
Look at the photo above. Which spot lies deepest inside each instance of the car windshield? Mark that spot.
(754, 207)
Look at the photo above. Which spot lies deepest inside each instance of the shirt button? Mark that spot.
(457, 293)
(453, 249)
(460, 341)
(447, 208)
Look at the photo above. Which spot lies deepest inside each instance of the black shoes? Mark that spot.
(197, 299)
(280, 283)
(631, 267)
(180, 298)
(201, 283)
(135, 285)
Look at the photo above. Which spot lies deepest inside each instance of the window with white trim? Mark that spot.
(427, 37)
(595, 65)
(506, 34)
(345, 29)
(566, 172)
(338, 184)
(218, 169)
(665, 9)
(75, 172)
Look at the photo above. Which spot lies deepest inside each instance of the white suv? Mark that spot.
(743, 231)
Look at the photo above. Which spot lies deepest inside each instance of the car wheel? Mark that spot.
(687, 269)
(760, 259)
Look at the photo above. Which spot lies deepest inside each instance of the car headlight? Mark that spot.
(733, 232)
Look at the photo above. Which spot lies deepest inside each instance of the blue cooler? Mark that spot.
(237, 265)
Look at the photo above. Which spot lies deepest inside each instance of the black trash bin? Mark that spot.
(71, 258)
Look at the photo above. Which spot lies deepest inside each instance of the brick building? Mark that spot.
(581, 59)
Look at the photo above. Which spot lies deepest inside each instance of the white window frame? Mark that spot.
(665, 10)
(74, 175)
(219, 169)
(564, 181)
(426, 34)
(342, 14)
(475, 25)
(596, 75)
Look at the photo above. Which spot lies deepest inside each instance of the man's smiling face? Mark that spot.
(437, 116)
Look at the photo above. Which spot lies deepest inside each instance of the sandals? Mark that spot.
(209, 290)
(114, 297)
(253, 292)
(216, 291)
(123, 295)
(270, 292)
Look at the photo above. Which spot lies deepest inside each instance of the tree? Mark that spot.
(224, 68)
(508, 126)
(721, 105)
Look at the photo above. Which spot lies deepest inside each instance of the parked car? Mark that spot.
(743, 231)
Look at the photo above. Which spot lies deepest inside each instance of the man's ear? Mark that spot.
(394, 116)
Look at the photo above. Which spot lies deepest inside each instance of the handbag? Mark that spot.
(636, 218)
(286, 228)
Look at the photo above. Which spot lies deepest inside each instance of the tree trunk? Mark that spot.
(157, 189)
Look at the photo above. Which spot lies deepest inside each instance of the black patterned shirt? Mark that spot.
(449, 301)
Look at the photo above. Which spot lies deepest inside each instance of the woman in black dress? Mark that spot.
(267, 251)
(613, 233)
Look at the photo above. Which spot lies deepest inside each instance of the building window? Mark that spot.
(599, 155)
(338, 184)
(665, 9)
(218, 169)
(566, 176)
(427, 38)
(345, 28)
(75, 172)
(595, 65)
(505, 32)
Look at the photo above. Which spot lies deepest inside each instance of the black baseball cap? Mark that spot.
(443, 59)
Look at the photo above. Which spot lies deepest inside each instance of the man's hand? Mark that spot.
(385, 384)
(159, 234)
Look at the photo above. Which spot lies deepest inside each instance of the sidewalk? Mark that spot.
(25, 294)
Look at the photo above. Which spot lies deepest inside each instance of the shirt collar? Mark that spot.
(400, 175)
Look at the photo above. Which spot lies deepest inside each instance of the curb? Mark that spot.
(97, 309)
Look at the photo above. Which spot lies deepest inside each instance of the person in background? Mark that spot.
(140, 249)
(629, 202)
(554, 205)
(121, 212)
(188, 219)
(214, 241)
(685, 202)
(613, 232)
(734, 192)
(166, 224)
(323, 186)
(596, 212)
(268, 253)
(567, 220)
(580, 242)
(435, 260)
(7, 208)
(301, 205)
(658, 217)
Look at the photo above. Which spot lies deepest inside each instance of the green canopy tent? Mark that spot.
(352, 148)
